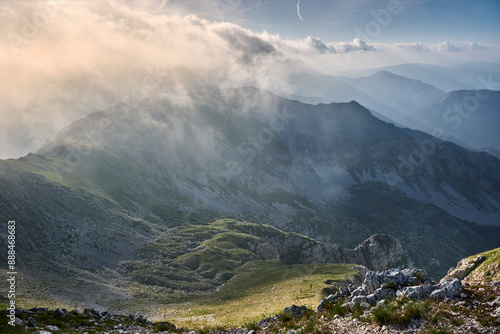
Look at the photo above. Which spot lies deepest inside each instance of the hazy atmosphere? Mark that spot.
(250, 167)
(63, 60)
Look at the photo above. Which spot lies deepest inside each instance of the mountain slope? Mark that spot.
(467, 117)
(477, 269)
(197, 258)
(105, 185)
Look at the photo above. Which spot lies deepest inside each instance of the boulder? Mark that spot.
(295, 311)
(414, 281)
(388, 284)
(358, 292)
(37, 310)
(371, 299)
(60, 313)
(447, 289)
(381, 293)
(419, 292)
(494, 302)
(356, 301)
(31, 322)
(464, 268)
(496, 313)
(365, 305)
(267, 321)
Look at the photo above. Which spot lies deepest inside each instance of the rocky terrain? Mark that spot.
(477, 269)
(452, 308)
(390, 301)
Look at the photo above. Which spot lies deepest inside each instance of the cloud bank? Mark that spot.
(441, 47)
(62, 60)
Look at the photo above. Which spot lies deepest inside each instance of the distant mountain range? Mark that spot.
(406, 95)
(96, 193)
(383, 91)
(470, 75)
(467, 117)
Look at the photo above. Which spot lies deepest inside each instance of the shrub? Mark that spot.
(456, 322)
(389, 285)
(337, 308)
(285, 317)
(416, 310)
(329, 290)
(386, 314)
(420, 275)
(312, 325)
(251, 326)
(438, 330)
(434, 319)
(484, 322)
(397, 314)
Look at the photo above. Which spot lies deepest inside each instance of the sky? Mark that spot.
(400, 21)
(62, 60)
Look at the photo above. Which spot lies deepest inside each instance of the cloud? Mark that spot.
(298, 11)
(248, 46)
(439, 47)
(338, 47)
(360, 45)
(462, 46)
(62, 60)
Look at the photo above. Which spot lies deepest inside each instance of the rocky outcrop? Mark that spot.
(477, 269)
(295, 311)
(379, 252)
(464, 268)
(76, 321)
(379, 287)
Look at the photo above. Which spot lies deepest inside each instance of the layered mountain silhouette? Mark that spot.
(385, 92)
(470, 75)
(469, 118)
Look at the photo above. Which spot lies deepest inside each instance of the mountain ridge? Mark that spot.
(123, 176)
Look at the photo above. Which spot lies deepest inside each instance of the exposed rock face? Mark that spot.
(386, 285)
(477, 269)
(447, 289)
(464, 268)
(379, 252)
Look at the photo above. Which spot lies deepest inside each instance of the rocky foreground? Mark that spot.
(391, 301)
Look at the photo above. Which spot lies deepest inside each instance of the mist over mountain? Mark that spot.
(96, 192)
(191, 166)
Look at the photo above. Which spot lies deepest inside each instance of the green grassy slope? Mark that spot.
(258, 289)
(488, 270)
